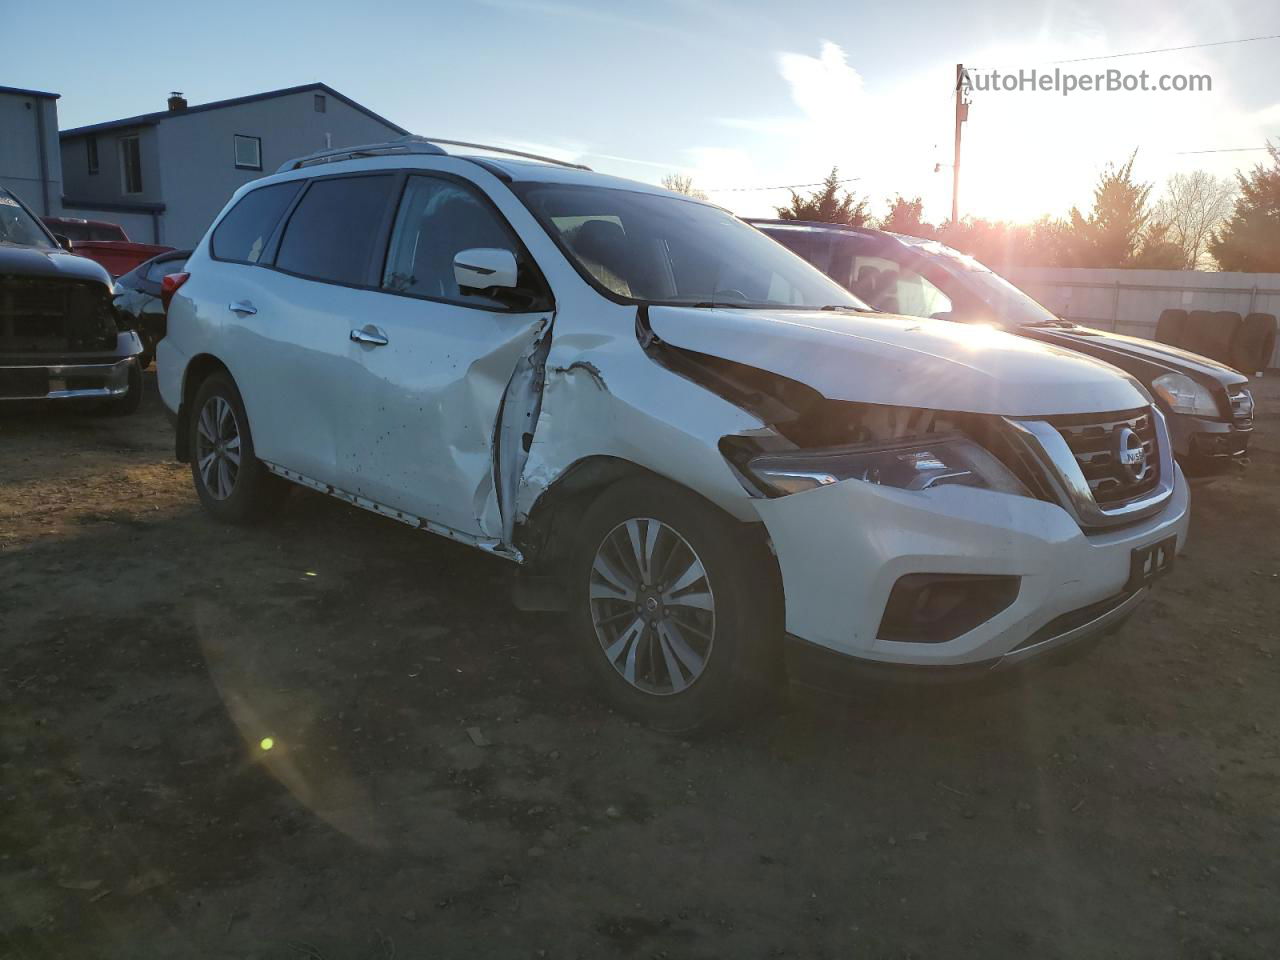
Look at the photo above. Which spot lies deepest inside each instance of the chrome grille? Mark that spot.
(1079, 459)
(1095, 443)
(1241, 407)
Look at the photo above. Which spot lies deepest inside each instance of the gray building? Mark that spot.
(163, 176)
(30, 163)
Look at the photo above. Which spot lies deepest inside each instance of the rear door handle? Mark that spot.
(370, 335)
(242, 308)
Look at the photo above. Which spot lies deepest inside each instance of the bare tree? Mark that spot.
(1194, 205)
(683, 183)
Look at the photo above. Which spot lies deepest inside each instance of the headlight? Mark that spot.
(922, 463)
(1184, 395)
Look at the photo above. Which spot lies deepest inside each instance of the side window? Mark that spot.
(243, 233)
(332, 233)
(885, 284)
(437, 220)
(813, 245)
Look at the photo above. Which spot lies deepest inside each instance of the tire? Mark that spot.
(691, 668)
(231, 491)
(1254, 343)
(1170, 328)
(1221, 333)
(129, 403)
(1209, 332)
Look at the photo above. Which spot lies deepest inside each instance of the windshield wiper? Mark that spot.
(1056, 324)
(835, 307)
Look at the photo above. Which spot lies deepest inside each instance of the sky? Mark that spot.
(738, 95)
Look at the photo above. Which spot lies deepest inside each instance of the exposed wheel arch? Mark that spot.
(547, 534)
(198, 370)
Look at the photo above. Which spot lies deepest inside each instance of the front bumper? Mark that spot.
(841, 549)
(97, 376)
(1200, 441)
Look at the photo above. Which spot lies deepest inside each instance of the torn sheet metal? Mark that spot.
(515, 429)
(604, 397)
(422, 417)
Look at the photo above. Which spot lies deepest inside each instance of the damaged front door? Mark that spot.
(438, 362)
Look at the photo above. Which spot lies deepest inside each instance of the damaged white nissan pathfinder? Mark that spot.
(701, 447)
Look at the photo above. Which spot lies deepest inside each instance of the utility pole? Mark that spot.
(962, 114)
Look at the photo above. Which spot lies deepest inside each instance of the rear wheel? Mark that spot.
(673, 607)
(233, 485)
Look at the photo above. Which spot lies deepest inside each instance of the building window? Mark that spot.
(248, 152)
(130, 165)
(91, 152)
(320, 104)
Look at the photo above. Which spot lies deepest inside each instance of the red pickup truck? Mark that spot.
(107, 243)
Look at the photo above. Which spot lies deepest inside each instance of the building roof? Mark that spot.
(151, 119)
(30, 93)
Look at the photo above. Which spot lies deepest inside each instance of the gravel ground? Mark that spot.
(332, 737)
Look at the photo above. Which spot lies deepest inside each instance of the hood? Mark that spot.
(18, 261)
(904, 361)
(1136, 355)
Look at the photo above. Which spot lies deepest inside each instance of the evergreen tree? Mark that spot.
(907, 217)
(827, 204)
(1250, 239)
(1112, 235)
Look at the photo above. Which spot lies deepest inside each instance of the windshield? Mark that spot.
(1012, 307)
(17, 226)
(649, 248)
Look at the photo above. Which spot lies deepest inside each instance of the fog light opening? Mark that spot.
(937, 607)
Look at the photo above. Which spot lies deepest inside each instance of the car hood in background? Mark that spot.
(1122, 351)
(18, 261)
(903, 361)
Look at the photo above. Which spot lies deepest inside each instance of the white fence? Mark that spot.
(1130, 301)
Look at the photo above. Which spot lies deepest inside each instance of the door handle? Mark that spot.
(370, 335)
(242, 308)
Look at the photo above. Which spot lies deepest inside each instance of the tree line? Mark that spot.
(1200, 222)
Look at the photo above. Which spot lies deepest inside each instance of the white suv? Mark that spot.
(701, 447)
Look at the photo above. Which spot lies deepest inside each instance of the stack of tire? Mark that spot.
(1244, 343)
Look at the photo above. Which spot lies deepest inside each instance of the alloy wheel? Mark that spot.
(218, 447)
(652, 606)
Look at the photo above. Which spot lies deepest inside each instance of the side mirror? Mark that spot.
(485, 268)
(63, 241)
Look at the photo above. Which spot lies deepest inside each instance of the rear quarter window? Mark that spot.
(242, 234)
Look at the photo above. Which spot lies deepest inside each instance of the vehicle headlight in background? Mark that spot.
(921, 463)
(1184, 395)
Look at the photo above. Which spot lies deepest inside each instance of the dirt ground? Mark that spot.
(1126, 805)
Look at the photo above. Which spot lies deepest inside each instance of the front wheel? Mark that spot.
(675, 607)
(233, 485)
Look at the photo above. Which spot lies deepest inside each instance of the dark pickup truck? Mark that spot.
(59, 335)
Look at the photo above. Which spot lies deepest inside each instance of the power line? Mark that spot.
(1142, 53)
(1183, 153)
(1190, 46)
(785, 186)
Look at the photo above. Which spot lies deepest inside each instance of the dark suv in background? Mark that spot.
(1209, 409)
(59, 336)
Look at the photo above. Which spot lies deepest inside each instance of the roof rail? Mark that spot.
(411, 145)
(400, 145)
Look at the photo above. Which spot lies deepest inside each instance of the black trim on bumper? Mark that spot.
(1060, 641)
